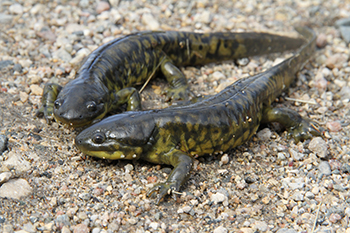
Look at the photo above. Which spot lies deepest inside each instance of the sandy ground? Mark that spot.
(269, 184)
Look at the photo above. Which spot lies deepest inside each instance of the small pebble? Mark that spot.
(15, 188)
(264, 134)
(333, 126)
(220, 229)
(294, 183)
(48, 226)
(25, 63)
(318, 146)
(128, 168)
(6, 63)
(241, 184)
(342, 22)
(132, 221)
(298, 196)
(320, 81)
(309, 195)
(339, 188)
(5, 19)
(260, 226)
(336, 61)
(154, 225)
(84, 3)
(315, 190)
(3, 143)
(102, 6)
(16, 9)
(81, 228)
(37, 8)
(296, 155)
(62, 220)
(85, 196)
(224, 159)
(204, 17)
(65, 229)
(5, 176)
(285, 230)
(62, 54)
(47, 34)
(34, 79)
(80, 56)
(36, 90)
(82, 215)
(96, 230)
(335, 164)
(217, 75)
(324, 168)
(333, 218)
(150, 21)
(28, 227)
(321, 40)
(345, 33)
(281, 156)
(218, 198)
(246, 230)
(186, 209)
(17, 67)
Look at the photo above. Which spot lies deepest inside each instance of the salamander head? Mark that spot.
(81, 102)
(122, 136)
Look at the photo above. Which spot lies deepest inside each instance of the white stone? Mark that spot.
(154, 225)
(220, 229)
(218, 197)
(149, 20)
(16, 9)
(16, 189)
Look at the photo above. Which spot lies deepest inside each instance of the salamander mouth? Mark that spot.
(74, 120)
(81, 122)
(108, 150)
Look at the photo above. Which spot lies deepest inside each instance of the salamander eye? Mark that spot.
(57, 104)
(99, 138)
(91, 106)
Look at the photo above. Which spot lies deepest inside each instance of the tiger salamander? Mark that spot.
(177, 134)
(105, 81)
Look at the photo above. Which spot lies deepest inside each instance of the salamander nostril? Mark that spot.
(81, 117)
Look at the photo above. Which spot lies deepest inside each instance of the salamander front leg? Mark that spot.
(182, 164)
(129, 96)
(50, 93)
(299, 128)
(178, 89)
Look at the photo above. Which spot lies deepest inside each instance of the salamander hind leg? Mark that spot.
(129, 96)
(178, 89)
(182, 164)
(50, 93)
(298, 127)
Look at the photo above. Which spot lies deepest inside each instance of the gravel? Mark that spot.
(269, 184)
(3, 143)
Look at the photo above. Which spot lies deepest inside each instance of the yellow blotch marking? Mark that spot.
(189, 126)
(191, 143)
(203, 135)
(206, 147)
(246, 135)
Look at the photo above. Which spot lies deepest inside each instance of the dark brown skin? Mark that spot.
(106, 80)
(219, 123)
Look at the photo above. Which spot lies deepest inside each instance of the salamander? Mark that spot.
(218, 123)
(107, 78)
